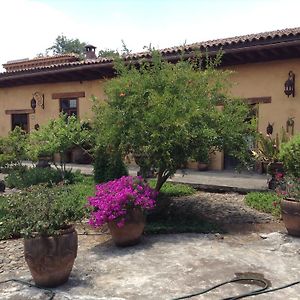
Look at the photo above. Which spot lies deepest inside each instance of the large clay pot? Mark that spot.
(131, 232)
(50, 259)
(290, 211)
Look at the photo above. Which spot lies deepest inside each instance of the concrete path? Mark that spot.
(164, 267)
(223, 181)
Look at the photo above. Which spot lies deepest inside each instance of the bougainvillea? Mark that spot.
(113, 199)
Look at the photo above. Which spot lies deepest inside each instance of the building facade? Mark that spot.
(265, 68)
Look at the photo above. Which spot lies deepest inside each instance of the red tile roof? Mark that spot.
(226, 43)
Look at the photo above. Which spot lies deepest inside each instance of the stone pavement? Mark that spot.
(163, 267)
(223, 181)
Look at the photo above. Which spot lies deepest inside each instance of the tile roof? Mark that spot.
(224, 43)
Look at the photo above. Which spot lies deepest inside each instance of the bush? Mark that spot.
(108, 166)
(290, 156)
(264, 202)
(28, 211)
(32, 176)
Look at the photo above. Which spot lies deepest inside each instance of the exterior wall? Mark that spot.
(18, 98)
(267, 80)
(249, 80)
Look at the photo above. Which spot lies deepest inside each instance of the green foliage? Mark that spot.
(43, 211)
(108, 166)
(58, 136)
(13, 148)
(268, 147)
(166, 113)
(63, 45)
(290, 156)
(108, 53)
(264, 202)
(171, 190)
(27, 177)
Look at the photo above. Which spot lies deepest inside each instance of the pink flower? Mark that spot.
(113, 199)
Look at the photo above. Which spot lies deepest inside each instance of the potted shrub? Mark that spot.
(289, 186)
(267, 152)
(122, 204)
(43, 217)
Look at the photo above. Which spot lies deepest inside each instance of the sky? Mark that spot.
(29, 27)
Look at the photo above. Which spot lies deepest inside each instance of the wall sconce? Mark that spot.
(37, 99)
(290, 124)
(269, 128)
(289, 85)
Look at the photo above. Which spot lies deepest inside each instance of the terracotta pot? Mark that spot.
(131, 232)
(202, 166)
(50, 259)
(290, 210)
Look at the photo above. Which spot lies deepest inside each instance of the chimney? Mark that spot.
(90, 52)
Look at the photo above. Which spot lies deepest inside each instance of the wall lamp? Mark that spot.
(289, 85)
(37, 99)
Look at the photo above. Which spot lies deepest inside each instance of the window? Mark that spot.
(20, 120)
(69, 107)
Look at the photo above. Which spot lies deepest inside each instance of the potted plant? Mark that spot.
(43, 217)
(122, 204)
(267, 152)
(289, 188)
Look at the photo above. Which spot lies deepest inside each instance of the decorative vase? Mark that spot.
(50, 259)
(130, 233)
(290, 211)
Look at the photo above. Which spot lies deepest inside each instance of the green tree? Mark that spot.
(165, 114)
(13, 148)
(108, 53)
(58, 136)
(63, 45)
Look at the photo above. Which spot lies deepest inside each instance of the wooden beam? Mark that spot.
(255, 100)
(19, 111)
(68, 95)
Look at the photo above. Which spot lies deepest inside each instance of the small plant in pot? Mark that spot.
(268, 153)
(40, 215)
(289, 188)
(122, 204)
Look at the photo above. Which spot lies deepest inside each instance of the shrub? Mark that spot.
(114, 199)
(32, 176)
(43, 210)
(265, 202)
(108, 166)
(290, 156)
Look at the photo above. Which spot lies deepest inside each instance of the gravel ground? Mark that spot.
(222, 209)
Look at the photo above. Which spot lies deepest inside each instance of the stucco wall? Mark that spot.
(266, 80)
(249, 80)
(19, 98)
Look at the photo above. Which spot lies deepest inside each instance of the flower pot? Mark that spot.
(131, 232)
(202, 166)
(50, 259)
(290, 210)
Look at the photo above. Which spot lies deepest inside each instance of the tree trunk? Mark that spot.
(162, 177)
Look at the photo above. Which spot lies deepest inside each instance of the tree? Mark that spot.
(63, 45)
(165, 114)
(108, 53)
(13, 148)
(58, 136)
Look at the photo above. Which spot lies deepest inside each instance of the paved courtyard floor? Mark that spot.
(166, 267)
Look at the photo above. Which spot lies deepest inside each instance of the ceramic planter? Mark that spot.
(290, 210)
(131, 232)
(50, 259)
